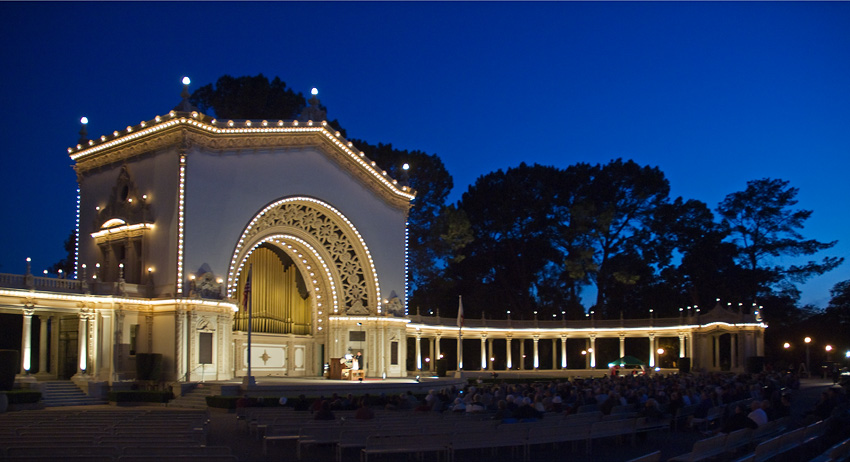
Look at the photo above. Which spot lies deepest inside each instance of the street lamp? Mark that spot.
(828, 349)
(808, 340)
(786, 345)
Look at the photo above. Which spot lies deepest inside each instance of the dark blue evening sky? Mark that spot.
(714, 94)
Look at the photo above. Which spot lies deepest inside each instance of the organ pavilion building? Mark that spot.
(175, 213)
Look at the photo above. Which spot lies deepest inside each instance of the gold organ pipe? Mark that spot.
(276, 303)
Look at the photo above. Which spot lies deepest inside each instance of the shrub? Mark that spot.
(22, 396)
(140, 396)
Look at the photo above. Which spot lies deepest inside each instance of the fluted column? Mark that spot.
(622, 345)
(652, 350)
(431, 341)
(483, 352)
(42, 345)
(681, 345)
(490, 354)
(508, 351)
(563, 352)
(536, 357)
(418, 351)
(26, 340)
(82, 343)
(593, 352)
(460, 352)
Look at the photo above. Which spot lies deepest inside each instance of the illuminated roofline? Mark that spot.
(80, 152)
(113, 299)
(566, 330)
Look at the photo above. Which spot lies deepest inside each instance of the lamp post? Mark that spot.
(660, 352)
(584, 354)
(808, 340)
(828, 349)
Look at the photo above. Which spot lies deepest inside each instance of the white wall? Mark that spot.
(225, 191)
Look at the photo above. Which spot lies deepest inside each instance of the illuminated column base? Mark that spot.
(508, 351)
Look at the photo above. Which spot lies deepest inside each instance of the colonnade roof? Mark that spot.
(717, 315)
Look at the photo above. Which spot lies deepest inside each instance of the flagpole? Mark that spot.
(249, 379)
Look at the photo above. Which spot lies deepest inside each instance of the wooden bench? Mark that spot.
(405, 444)
(704, 449)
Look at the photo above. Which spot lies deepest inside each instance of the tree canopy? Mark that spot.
(541, 239)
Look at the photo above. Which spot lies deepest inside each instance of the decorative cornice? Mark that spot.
(182, 129)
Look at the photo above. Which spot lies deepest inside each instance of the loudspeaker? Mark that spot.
(442, 366)
(684, 365)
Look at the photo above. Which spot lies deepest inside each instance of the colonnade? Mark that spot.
(559, 343)
(721, 339)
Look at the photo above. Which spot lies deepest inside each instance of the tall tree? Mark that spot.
(839, 304)
(249, 97)
(67, 264)
(763, 225)
(617, 209)
(428, 176)
(514, 226)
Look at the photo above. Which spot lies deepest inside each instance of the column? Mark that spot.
(418, 351)
(715, 340)
(42, 345)
(593, 352)
(536, 357)
(92, 347)
(26, 341)
(54, 340)
(431, 341)
(490, 354)
(460, 352)
(652, 350)
(82, 342)
(437, 354)
(681, 345)
(522, 354)
(563, 352)
(508, 351)
(622, 345)
(483, 352)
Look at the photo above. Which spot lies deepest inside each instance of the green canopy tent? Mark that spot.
(627, 361)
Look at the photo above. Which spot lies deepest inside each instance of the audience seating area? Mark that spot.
(762, 444)
(108, 435)
(407, 432)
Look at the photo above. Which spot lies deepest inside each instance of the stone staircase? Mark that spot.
(195, 399)
(66, 393)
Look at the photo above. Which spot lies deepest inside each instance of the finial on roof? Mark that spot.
(84, 133)
(185, 105)
(313, 112)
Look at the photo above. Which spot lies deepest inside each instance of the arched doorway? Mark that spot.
(307, 262)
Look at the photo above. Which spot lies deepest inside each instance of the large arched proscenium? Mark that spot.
(324, 236)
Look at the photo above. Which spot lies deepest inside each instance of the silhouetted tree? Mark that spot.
(67, 264)
(763, 224)
(617, 207)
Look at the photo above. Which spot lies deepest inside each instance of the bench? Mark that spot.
(404, 444)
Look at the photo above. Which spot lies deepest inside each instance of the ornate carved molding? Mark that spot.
(349, 256)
